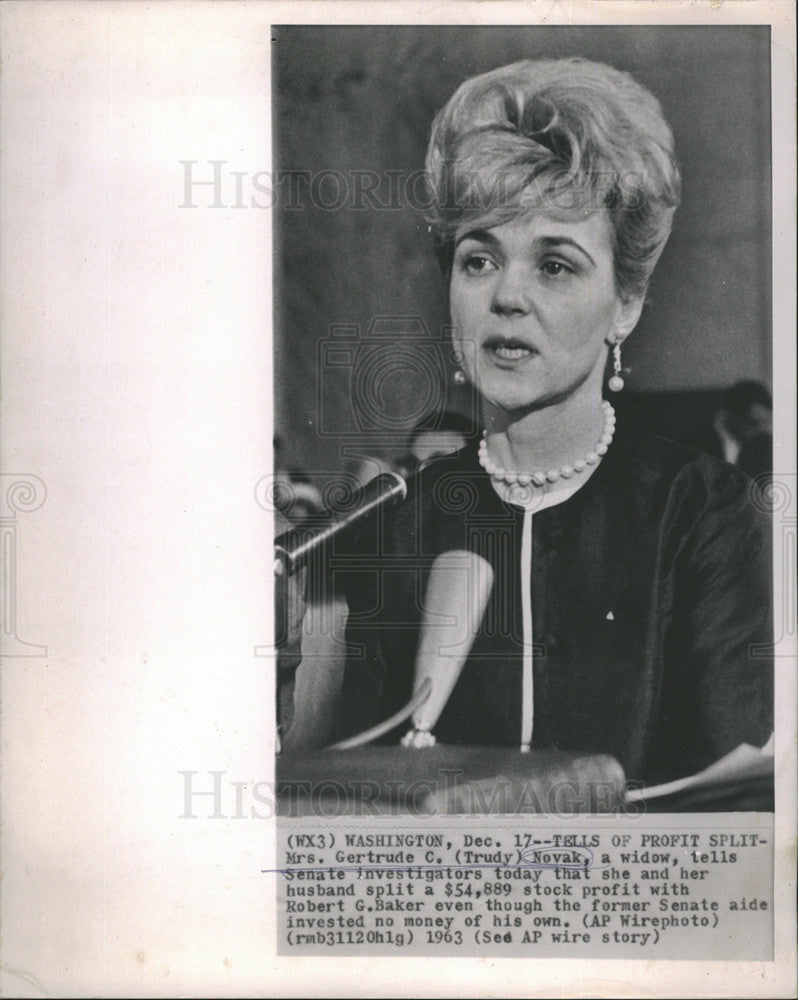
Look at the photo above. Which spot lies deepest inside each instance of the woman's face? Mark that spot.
(534, 302)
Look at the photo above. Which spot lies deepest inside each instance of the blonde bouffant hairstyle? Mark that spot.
(567, 136)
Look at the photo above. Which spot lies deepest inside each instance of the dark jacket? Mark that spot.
(651, 598)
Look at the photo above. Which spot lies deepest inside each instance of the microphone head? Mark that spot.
(294, 547)
(457, 594)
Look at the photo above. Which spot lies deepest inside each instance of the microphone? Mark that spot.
(293, 548)
(457, 594)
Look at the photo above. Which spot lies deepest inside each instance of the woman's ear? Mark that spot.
(628, 314)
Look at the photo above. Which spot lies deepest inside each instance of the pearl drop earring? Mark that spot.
(616, 382)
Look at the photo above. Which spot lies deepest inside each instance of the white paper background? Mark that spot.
(135, 384)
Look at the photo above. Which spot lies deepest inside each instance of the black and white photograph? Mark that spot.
(526, 463)
(398, 504)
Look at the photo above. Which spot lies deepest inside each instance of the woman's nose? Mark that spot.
(512, 292)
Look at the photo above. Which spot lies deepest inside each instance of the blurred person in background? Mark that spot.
(436, 435)
(741, 431)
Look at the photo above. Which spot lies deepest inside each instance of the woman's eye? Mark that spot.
(555, 268)
(478, 264)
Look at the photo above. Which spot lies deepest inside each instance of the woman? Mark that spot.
(629, 613)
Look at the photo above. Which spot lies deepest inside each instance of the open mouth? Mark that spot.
(508, 348)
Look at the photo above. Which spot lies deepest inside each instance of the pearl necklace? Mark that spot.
(541, 478)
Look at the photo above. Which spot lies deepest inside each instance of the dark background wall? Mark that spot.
(353, 106)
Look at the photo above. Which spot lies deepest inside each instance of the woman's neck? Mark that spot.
(545, 438)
